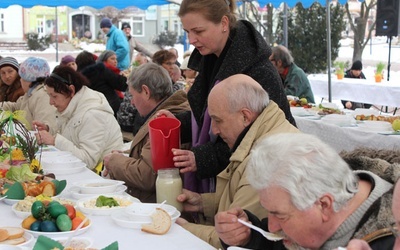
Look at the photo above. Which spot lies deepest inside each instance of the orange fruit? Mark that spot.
(75, 222)
(80, 215)
(27, 222)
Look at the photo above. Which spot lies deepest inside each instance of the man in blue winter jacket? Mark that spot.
(116, 41)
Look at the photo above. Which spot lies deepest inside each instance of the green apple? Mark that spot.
(396, 125)
(303, 101)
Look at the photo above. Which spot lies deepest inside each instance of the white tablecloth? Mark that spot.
(104, 231)
(358, 90)
(346, 138)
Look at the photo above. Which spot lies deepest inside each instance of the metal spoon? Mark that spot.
(269, 236)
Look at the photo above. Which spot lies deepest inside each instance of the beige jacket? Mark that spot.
(233, 188)
(137, 170)
(36, 105)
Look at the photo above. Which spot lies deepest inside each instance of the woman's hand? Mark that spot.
(44, 137)
(185, 160)
(40, 126)
(164, 113)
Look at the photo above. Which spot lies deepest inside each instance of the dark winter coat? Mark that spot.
(105, 81)
(245, 53)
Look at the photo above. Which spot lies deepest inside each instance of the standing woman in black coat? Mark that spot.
(101, 78)
(223, 47)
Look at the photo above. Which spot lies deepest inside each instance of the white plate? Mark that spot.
(59, 234)
(11, 201)
(79, 167)
(65, 161)
(82, 205)
(339, 120)
(375, 126)
(84, 242)
(98, 186)
(300, 111)
(76, 193)
(121, 218)
(143, 211)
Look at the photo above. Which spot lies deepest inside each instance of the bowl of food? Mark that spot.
(98, 186)
(23, 207)
(65, 161)
(76, 242)
(105, 205)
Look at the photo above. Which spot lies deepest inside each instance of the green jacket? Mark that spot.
(297, 84)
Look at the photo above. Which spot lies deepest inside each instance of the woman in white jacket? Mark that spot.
(86, 125)
(35, 101)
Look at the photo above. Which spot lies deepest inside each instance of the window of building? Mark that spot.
(137, 26)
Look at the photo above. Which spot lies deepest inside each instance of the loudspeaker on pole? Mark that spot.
(387, 18)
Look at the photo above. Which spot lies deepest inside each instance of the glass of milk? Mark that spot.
(169, 186)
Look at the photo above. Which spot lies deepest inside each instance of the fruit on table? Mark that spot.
(48, 226)
(38, 210)
(64, 223)
(28, 221)
(70, 211)
(56, 209)
(303, 101)
(53, 217)
(35, 226)
(396, 125)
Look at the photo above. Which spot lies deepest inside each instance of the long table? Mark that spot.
(346, 138)
(104, 231)
(385, 93)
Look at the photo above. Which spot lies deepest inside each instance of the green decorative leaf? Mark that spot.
(16, 191)
(112, 246)
(44, 242)
(60, 185)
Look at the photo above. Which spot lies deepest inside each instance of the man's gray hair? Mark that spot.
(155, 77)
(280, 52)
(304, 166)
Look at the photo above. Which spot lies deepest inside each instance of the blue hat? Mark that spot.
(105, 23)
(33, 68)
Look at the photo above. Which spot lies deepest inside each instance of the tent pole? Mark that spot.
(285, 26)
(328, 42)
(56, 35)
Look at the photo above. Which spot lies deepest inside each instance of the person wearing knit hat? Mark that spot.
(35, 102)
(34, 68)
(69, 61)
(10, 85)
(133, 44)
(116, 41)
(355, 72)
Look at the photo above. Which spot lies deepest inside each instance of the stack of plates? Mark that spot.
(61, 163)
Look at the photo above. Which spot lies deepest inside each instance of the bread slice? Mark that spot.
(3, 235)
(161, 222)
(14, 232)
(14, 242)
